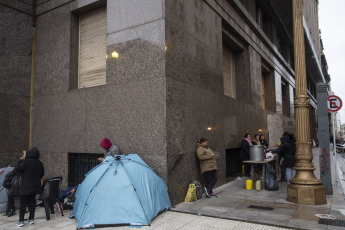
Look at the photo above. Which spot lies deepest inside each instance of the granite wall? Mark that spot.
(129, 109)
(163, 92)
(15, 67)
(194, 88)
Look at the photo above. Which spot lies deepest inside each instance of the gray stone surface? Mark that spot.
(151, 32)
(15, 67)
(24, 6)
(125, 14)
(324, 136)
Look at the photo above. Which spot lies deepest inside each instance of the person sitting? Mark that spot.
(67, 197)
(110, 149)
(66, 193)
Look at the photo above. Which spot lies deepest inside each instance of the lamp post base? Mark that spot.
(306, 194)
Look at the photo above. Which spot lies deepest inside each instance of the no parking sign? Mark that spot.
(334, 103)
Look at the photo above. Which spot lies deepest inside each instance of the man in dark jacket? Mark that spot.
(32, 171)
(283, 141)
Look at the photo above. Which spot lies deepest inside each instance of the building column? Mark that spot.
(305, 188)
(323, 134)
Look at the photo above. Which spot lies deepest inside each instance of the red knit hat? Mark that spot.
(106, 143)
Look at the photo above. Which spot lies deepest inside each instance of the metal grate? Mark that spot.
(260, 207)
(333, 222)
(79, 164)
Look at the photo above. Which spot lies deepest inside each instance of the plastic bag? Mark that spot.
(191, 194)
(271, 183)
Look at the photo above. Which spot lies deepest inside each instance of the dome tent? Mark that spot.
(123, 190)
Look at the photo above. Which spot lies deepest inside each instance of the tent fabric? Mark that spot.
(3, 193)
(123, 190)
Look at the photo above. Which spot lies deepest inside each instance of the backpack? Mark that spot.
(199, 190)
(7, 183)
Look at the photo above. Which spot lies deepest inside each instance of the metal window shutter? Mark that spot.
(229, 73)
(92, 48)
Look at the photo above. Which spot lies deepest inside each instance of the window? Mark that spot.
(285, 98)
(229, 78)
(92, 48)
(268, 92)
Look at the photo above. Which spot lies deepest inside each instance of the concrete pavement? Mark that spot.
(233, 203)
(229, 211)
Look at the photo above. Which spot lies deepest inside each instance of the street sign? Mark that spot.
(334, 103)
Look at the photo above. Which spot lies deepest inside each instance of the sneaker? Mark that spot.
(20, 224)
(31, 221)
(11, 214)
(213, 195)
(207, 193)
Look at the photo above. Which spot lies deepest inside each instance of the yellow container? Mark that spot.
(258, 185)
(249, 184)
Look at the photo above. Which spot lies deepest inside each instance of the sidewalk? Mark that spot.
(233, 203)
(165, 221)
(229, 211)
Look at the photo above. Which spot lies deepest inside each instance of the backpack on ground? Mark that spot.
(199, 189)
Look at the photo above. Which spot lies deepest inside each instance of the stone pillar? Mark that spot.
(305, 188)
(323, 134)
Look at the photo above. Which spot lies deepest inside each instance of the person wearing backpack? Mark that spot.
(32, 171)
(8, 184)
(12, 184)
(208, 166)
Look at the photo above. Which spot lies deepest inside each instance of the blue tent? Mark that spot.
(123, 190)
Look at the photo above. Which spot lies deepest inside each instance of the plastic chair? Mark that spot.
(50, 195)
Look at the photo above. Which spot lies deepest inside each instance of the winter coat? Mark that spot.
(244, 153)
(264, 142)
(12, 181)
(113, 150)
(207, 160)
(7, 183)
(32, 171)
(288, 151)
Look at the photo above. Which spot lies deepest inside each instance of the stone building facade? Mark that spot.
(174, 71)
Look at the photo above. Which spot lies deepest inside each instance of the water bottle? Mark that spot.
(249, 184)
(258, 185)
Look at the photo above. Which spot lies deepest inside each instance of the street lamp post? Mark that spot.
(304, 188)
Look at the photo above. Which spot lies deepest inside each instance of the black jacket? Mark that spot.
(32, 171)
(12, 181)
(288, 150)
(244, 154)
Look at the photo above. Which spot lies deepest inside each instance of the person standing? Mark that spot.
(32, 171)
(263, 141)
(283, 141)
(288, 151)
(208, 166)
(244, 154)
(256, 140)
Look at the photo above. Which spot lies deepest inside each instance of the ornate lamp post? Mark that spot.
(305, 188)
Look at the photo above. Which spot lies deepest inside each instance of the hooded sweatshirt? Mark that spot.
(110, 149)
(207, 160)
(32, 171)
